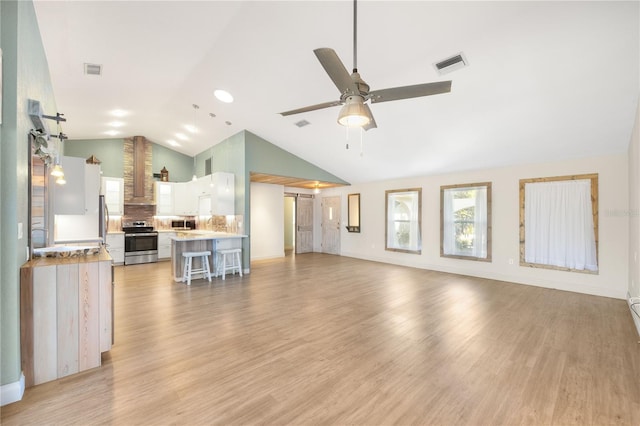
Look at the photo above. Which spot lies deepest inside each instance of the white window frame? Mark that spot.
(447, 224)
(408, 200)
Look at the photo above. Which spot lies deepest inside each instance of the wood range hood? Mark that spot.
(138, 172)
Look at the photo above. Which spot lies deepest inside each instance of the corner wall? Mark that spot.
(25, 76)
(613, 225)
(634, 214)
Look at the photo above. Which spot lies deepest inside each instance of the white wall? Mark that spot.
(613, 225)
(267, 224)
(634, 213)
(289, 222)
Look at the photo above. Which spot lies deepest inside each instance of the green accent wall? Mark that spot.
(246, 152)
(265, 157)
(180, 166)
(111, 153)
(25, 76)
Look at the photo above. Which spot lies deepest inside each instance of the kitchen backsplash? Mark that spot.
(141, 212)
(231, 224)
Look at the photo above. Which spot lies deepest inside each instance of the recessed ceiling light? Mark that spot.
(223, 96)
(173, 143)
(112, 132)
(116, 123)
(119, 113)
(191, 128)
(182, 136)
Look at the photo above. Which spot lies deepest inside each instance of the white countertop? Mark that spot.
(204, 235)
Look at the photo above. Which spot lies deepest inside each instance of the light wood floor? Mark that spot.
(321, 339)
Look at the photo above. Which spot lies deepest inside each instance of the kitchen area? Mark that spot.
(136, 215)
(84, 224)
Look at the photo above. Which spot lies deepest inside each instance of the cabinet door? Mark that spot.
(223, 197)
(204, 186)
(69, 198)
(113, 191)
(79, 195)
(164, 244)
(91, 188)
(185, 199)
(115, 247)
(164, 197)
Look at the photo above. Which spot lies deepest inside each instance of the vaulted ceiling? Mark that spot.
(545, 80)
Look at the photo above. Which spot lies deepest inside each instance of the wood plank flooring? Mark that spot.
(321, 339)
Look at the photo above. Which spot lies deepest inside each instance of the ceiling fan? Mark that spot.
(354, 92)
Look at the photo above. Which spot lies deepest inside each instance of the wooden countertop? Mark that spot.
(49, 261)
(204, 235)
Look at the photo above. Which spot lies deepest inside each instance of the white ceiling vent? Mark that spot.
(451, 64)
(92, 69)
(302, 123)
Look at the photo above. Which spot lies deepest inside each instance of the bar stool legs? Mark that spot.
(188, 271)
(230, 261)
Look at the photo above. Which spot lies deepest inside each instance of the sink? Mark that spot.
(66, 251)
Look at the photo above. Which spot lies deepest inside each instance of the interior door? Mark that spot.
(331, 225)
(304, 222)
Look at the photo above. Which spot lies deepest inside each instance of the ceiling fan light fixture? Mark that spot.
(353, 113)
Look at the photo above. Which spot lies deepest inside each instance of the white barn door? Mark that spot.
(304, 225)
(331, 225)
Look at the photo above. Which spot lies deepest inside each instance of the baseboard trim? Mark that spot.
(633, 300)
(12, 392)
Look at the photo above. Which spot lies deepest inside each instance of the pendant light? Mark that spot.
(195, 128)
(57, 170)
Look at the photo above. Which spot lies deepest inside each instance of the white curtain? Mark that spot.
(415, 237)
(480, 224)
(448, 225)
(479, 248)
(559, 224)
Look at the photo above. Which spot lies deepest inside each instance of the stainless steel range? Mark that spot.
(140, 243)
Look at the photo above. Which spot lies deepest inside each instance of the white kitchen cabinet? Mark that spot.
(79, 196)
(203, 186)
(164, 245)
(223, 194)
(113, 191)
(115, 247)
(164, 198)
(185, 201)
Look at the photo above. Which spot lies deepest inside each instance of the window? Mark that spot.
(404, 210)
(559, 223)
(465, 221)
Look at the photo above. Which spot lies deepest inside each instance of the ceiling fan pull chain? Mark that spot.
(361, 141)
(346, 129)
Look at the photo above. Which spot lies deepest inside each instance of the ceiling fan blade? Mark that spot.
(406, 92)
(311, 108)
(336, 70)
(372, 122)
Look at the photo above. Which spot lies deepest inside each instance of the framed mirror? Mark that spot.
(353, 207)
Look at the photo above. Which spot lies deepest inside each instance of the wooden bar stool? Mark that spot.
(229, 261)
(189, 272)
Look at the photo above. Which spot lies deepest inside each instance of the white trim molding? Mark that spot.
(12, 392)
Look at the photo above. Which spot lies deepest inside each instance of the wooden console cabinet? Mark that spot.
(66, 315)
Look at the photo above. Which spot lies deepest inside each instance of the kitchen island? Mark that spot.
(66, 312)
(201, 241)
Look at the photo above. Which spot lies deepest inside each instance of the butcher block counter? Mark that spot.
(201, 241)
(66, 315)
